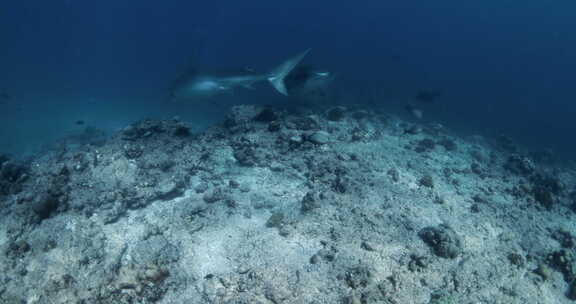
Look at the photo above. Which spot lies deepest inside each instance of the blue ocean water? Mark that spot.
(504, 67)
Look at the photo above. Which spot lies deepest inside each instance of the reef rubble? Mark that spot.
(341, 206)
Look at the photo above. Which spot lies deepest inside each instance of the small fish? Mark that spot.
(5, 96)
(79, 122)
(428, 96)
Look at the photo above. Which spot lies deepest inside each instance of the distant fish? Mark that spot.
(5, 96)
(79, 122)
(416, 112)
(428, 96)
(197, 85)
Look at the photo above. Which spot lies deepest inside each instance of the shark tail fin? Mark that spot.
(279, 74)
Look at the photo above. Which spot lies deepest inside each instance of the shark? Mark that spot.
(196, 85)
(308, 83)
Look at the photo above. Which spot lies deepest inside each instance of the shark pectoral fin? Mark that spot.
(277, 77)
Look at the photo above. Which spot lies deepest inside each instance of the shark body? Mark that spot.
(198, 85)
(308, 83)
